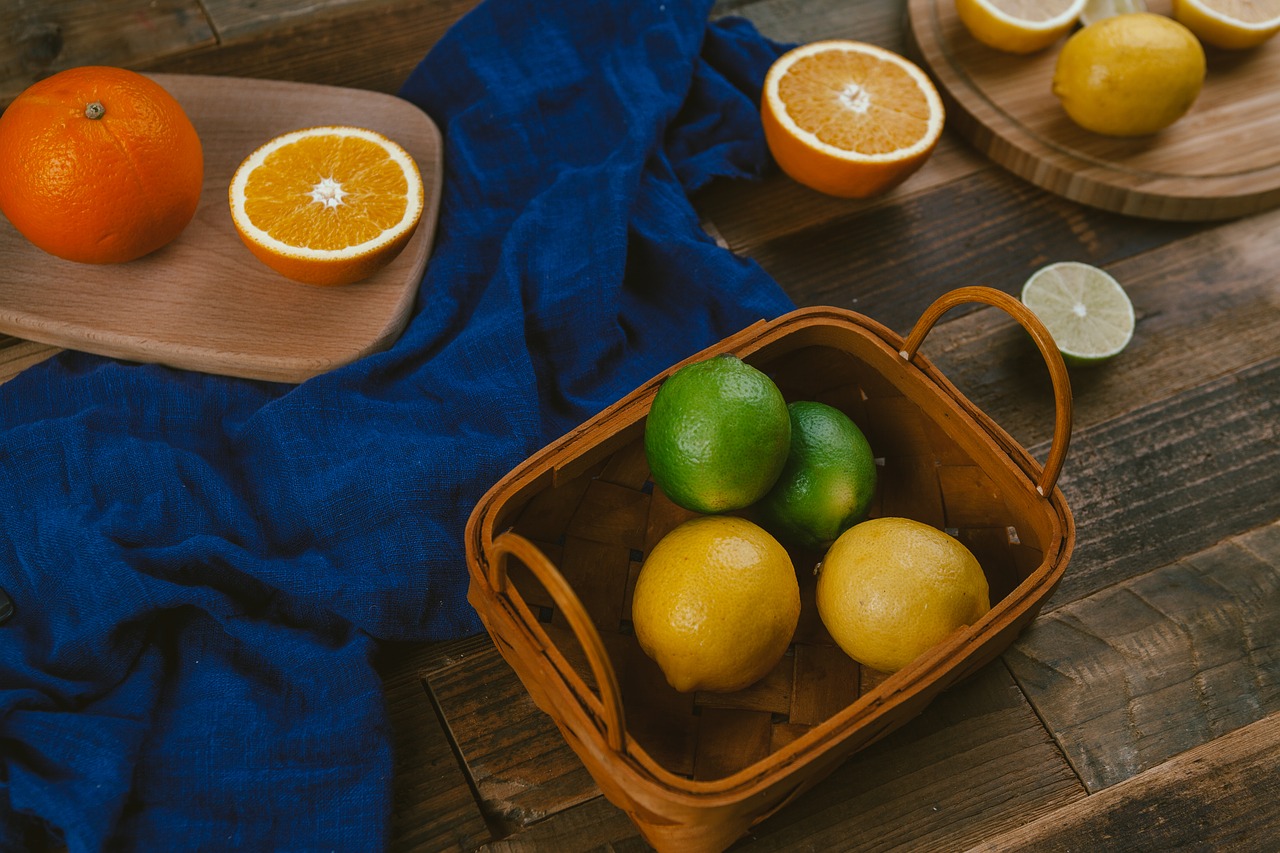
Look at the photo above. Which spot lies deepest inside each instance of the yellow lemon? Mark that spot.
(1129, 75)
(1018, 26)
(716, 604)
(1229, 24)
(890, 589)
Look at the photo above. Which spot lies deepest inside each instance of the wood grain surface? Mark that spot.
(205, 303)
(1220, 160)
(1139, 712)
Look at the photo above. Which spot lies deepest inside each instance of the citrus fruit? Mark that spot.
(1018, 26)
(889, 589)
(828, 481)
(327, 205)
(715, 604)
(1229, 24)
(1096, 10)
(101, 165)
(1085, 310)
(849, 119)
(1129, 75)
(717, 435)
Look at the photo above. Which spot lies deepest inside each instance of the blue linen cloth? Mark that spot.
(201, 566)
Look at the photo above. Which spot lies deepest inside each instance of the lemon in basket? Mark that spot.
(717, 435)
(715, 604)
(828, 481)
(1085, 310)
(1129, 75)
(890, 589)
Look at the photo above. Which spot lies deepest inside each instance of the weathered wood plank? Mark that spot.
(41, 38)
(1172, 478)
(433, 807)
(1161, 663)
(517, 760)
(1206, 306)
(1219, 796)
(888, 262)
(373, 47)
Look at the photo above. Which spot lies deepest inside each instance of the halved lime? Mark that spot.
(1085, 309)
(1096, 10)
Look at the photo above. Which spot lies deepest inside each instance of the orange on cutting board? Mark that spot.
(849, 119)
(327, 205)
(100, 164)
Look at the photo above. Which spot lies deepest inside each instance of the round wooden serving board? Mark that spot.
(1220, 160)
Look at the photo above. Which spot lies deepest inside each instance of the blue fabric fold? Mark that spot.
(202, 567)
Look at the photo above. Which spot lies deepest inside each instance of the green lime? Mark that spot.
(1085, 309)
(828, 481)
(717, 435)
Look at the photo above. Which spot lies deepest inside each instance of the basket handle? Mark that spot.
(511, 543)
(1048, 349)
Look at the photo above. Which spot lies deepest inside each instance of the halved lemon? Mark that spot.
(1229, 24)
(1084, 308)
(1019, 26)
(849, 119)
(327, 205)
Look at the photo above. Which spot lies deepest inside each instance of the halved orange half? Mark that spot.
(327, 205)
(849, 119)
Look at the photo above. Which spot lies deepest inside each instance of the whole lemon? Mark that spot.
(892, 588)
(717, 435)
(716, 604)
(828, 481)
(1129, 75)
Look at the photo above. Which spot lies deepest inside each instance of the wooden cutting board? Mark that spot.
(204, 302)
(1220, 160)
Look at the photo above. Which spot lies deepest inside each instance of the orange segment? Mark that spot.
(849, 119)
(327, 205)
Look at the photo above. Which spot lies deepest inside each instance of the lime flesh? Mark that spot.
(1085, 310)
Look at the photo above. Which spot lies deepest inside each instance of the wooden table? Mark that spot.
(1140, 711)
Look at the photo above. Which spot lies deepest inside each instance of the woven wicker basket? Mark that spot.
(554, 549)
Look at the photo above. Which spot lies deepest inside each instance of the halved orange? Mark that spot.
(327, 205)
(849, 119)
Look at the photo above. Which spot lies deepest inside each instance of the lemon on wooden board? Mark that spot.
(717, 435)
(1018, 26)
(1129, 75)
(1229, 24)
(828, 481)
(1084, 308)
(890, 589)
(716, 604)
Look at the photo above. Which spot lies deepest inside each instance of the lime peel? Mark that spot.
(1084, 308)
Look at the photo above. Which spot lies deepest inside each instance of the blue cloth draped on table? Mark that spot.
(201, 566)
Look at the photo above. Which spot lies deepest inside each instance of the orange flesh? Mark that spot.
(855, 102)
(278, 194)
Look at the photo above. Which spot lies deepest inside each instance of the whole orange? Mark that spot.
(100, 165)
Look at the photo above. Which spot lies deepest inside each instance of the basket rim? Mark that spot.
(867, 708)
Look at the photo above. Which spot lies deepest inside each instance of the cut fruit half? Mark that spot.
(1096, 10)
(1229, 24)
(327, 205)
(849, 119)
(1019, 26)
(1085, 309)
